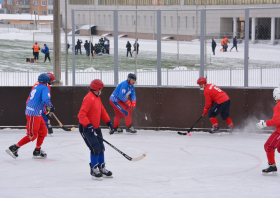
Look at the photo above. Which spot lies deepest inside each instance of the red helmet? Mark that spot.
(52, 77)
(36, 43)
(201, 80)
(96, 85)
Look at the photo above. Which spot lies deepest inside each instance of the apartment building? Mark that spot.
(41, 7)
(186, 24)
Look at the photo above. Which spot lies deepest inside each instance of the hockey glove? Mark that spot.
(52, 109)
(48, 115)
(133, 104)
(128, 103)
(111, 128)
(90, 128)
(261, 124)
(205, 111)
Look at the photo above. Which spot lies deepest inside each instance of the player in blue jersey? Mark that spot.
(123, 100)
(36, 128)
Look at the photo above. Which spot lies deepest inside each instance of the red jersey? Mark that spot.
(92, 110)
(35, 85)
(275, 121)
(212, 94)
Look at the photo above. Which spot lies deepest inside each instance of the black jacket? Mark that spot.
(214, 44)
(86, 45)
(234, 41)
(128, 46)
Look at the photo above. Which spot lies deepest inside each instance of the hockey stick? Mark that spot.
(188, 132)
(61, 125)
(123, 154)
(140, 114)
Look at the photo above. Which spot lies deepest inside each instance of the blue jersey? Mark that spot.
(38, 98)
(122, 92)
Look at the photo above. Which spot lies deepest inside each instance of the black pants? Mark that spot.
(36, 55)
(222, 109)
(213, 49)
(233, 47)
(129, 52)
(47, 55)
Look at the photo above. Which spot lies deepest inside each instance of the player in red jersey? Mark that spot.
(273, 142)
(91, 112)
(47, 121)
(216, 102)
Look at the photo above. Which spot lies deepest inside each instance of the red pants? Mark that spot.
(36, 127)
(273, 142)
(119, 114)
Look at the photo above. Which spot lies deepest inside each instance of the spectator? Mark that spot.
(86, 46)
(134, 45)
(214, 44)
(92, 48)
(68, 45)
(128, 49)
(46, 51)
(36, 49)
(78, 46)
(106, 46)
(234, 44)
(101, 42)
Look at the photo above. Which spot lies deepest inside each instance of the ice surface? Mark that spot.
(199, 166)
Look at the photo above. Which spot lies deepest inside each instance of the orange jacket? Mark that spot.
(92, 110)
(223, 42)
(36, 48)
(275, 121)
(226, 40)
(212, 94)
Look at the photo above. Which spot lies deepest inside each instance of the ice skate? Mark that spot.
(214, 130)
(119, 130)
(270, 171)
(231, 129)
(105, 172)
(13, 151)
(130, 130)
(96, 174)
(39, 154)
(50, 130)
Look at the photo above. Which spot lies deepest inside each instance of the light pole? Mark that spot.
(66, 46)
(136, 40)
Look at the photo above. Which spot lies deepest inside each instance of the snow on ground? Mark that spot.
(200, 166)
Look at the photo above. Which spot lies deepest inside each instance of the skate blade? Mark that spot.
(270, 174)
(11, 153)
(105, 176)
(39, 157)
(96, 178)
(129, 133)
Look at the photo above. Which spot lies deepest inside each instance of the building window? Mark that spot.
(144, 21)
(50, 2)
(151, 21)
(120, 23)
(43, 3)
(106, 2)
(186, 22)
(167, 2)
(132, 20)
(104, 19)
(16, 2)
(193, 22)
(25, 3)
(126, 20)
(34, 11)
(50, 11)
(35, 2)
(171, 21)
(9, 11)
(164, 21)
(138, 21)
(25, 11)
(44, 12)
(81, 2)
(9, 2)
(17, 11)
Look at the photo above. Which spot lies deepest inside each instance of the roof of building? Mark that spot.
(25, 17)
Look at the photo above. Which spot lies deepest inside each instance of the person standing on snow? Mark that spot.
(120, 100)
(214, 44)
(91, 112)
(46, 51)
(216, 102)
(36, 128)
(234, 44)
(128, 49)
(273, 141)
(36, 49)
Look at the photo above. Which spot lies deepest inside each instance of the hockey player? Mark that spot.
(218, 102)
(39, 97)
(89, 120)
(47, 121)
(272, 142)
(122, 105)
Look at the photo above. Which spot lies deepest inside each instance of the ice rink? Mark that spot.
(203, 165)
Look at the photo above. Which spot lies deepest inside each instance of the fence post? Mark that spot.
(246, 48)
(202, 32)
(167, 77)
(101, 75)
(158, 47)
(73, 48)
(116, 55)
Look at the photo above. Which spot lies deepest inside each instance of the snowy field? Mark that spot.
(203, 165)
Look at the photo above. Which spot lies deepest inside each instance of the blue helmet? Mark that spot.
(44, 78)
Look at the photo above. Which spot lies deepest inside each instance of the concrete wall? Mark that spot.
(166, 108)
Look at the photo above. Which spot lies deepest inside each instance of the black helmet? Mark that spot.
(131, 76)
